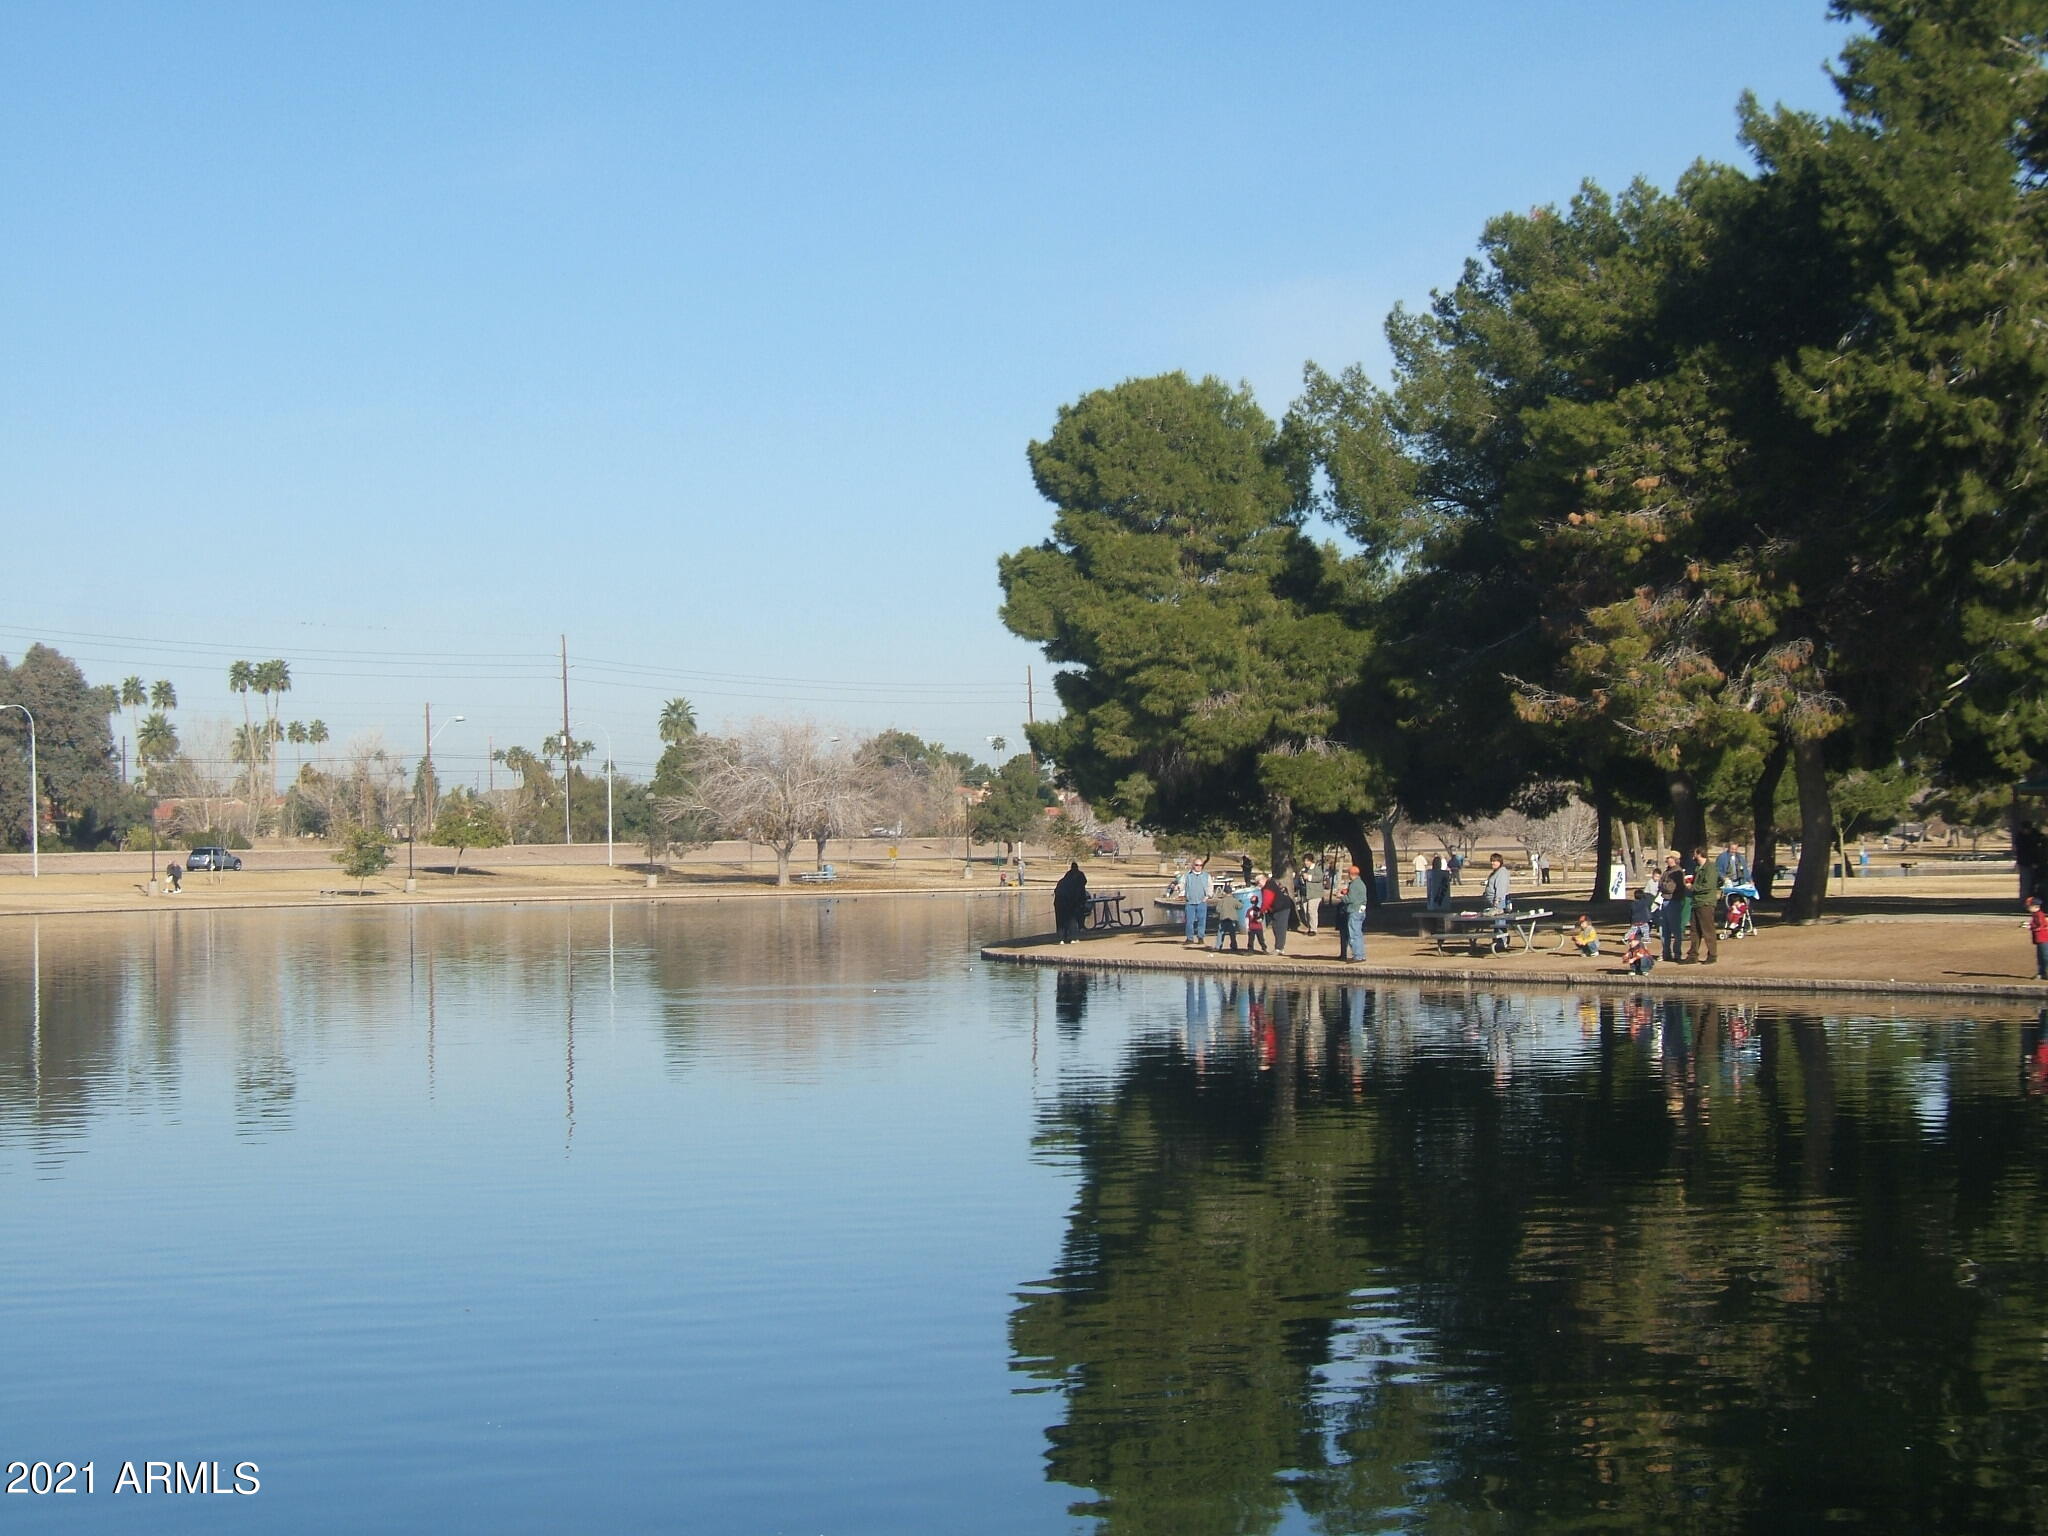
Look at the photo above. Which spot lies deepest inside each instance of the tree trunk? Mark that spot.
(1280, 818)
(1663, 844)
(1603, 838)
(248, 748)
(1358, 843)
(1388, 852)
(1688, 816)
(821, 842)
(1763, 800)
(1816, 832)
(1817, 1083)
(782, 852)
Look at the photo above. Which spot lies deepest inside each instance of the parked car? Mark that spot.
(1107, 846)
(212, 858)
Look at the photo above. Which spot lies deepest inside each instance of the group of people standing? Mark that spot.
(1680, 905)
(1263, 904)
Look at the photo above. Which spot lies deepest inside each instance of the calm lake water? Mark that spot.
(795, 1216)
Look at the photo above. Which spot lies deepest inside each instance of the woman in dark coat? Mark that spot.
(1070, 903)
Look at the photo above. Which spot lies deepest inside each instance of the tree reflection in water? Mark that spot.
(1427, 1259)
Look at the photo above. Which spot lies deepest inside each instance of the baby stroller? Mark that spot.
(1738, 897)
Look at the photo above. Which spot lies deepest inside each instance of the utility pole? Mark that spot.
(607, 796)
(412, 831)
(568, 760)
(1030, 716)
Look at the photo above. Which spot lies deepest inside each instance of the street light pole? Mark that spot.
(35, 816)
(426, 772)
(607, 797)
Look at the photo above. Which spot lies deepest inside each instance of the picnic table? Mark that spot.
(824, 874)
(1108, 911)
(1473, 926)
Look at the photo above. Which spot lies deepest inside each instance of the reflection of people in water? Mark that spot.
(1070, 996)
(1642, 1019)
(1198, 1021)
(1739, 1024)
(2034, 1055)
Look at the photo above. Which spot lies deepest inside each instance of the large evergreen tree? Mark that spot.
(78, 780)
(1925, 380)
(1199, 630)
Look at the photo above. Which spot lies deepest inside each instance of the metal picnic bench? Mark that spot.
(1109, 911)
(1474, 926)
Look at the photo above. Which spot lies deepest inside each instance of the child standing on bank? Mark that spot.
(1251, 915)
(2037, 930)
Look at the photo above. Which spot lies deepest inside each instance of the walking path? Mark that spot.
(107, 883)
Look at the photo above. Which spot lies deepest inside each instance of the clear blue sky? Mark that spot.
(398, 340)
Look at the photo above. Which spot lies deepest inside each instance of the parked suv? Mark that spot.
(211, 858)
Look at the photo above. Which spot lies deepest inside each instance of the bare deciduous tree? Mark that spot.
(367, 790)
(1458, 837)
(777, 783)
(1564, 836)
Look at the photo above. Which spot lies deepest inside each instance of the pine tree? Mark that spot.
(1202, 649)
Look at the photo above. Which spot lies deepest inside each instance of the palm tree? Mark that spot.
(295, 733)
(316, 733)
(133, 695)
(162, 695)
(678, 722)
(241, 678)
(252, 747)
(521, 762)
(156, 741)
(272, 679)
(569, 750)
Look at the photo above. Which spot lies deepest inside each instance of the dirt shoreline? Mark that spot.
(1958, 935)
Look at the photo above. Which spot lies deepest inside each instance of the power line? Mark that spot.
(634, 668)
(515, 667)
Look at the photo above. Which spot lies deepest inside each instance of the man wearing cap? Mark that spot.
(1195, 887)
(1356, 898)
